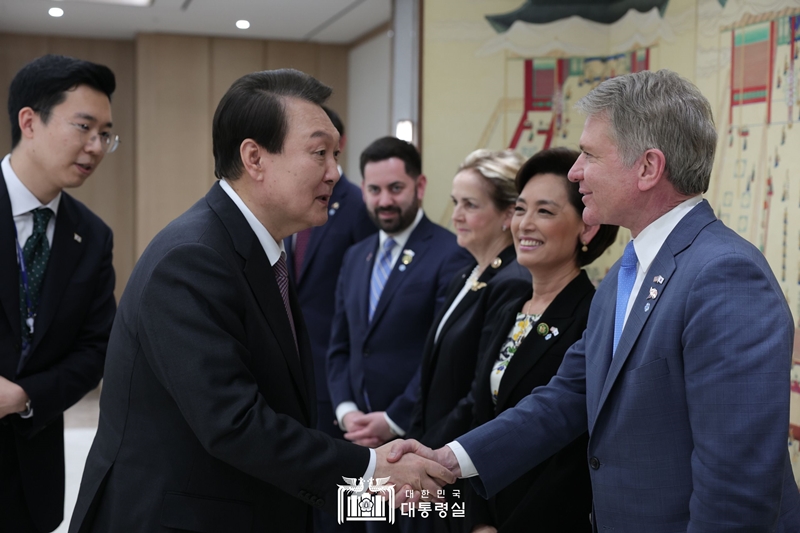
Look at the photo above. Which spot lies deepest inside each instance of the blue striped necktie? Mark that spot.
(625, 280)
(383, 267)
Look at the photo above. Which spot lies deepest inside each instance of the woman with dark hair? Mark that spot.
(524, 343)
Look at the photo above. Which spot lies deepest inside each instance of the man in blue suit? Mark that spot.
(314, 265)
(682, 375)
(389, 290)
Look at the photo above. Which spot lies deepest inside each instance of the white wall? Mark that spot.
(368, 98)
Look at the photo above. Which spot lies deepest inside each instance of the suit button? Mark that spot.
(594, 462)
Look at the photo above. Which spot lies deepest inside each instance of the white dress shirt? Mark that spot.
(273, 249)
(647, 245)
(23, 203)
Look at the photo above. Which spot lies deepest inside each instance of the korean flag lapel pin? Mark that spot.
(658, 279)
(77, 238)
(405, 259)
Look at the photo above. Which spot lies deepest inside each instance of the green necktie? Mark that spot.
(35, 253)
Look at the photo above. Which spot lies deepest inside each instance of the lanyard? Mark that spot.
(24, 274)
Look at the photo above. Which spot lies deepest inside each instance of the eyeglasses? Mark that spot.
(108, 140)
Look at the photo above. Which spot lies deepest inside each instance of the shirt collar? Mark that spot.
(22, 200)
(652, 238)
(401, 238)
(268, 243)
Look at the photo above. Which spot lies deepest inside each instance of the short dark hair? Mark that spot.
(559, 161)
(337, 122)
(253, 108)
(42, 84)
(388, 147)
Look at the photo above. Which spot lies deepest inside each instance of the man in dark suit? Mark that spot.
(314, 265)
(391, 287)
(682, 375)
(56, 278)
(209, 384)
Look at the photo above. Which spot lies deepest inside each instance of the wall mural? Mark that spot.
(746, 63)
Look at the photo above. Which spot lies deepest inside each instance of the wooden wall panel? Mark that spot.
(109, 191)
(173, 137)
(230, 60)
(288, 54)
(332, 71)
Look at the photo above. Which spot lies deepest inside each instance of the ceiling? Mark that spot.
(329, 21)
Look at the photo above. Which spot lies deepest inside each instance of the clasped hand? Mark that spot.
(416, 468)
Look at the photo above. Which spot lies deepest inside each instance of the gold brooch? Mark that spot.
(478, 285)
(408, 256)
(497, 262)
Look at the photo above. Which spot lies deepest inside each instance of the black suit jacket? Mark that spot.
(556, 495)
(448, 364)
(206, 404)
(68, 347)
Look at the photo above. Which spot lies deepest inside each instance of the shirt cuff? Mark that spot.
(464, 462)
(394, 428)
(373, 463)
(342, 409)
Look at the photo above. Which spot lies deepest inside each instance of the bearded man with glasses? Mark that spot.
(56, 278)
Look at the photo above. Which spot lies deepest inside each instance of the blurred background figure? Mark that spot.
(525, 341)
(314, 263)
(483, 196)
(390, 288)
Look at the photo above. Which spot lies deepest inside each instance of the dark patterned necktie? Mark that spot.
(35, 254)
(282, 277)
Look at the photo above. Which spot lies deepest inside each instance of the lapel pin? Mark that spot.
(369, 257)
(647, 307)
(497, 263)
(554, 331)
(658, 279)
(408, 256)
(653, 294)
(478, 285)
(402, 268)
(77, 237)
(542, 329)
(332, 210)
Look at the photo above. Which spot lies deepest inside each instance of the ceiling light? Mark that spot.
(242, 24)
(136, 3)
(404, 130)
(56, 11)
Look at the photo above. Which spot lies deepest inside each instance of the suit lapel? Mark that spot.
(260, 277)
(9, 271)
(560, 314)
(418, 242)
(64, 256)
(643, 306)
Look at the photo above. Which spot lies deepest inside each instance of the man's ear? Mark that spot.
(251, 154)
(421, 183)
(653, 165)
(26, 118)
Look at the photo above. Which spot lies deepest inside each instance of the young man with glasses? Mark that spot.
(56, 278)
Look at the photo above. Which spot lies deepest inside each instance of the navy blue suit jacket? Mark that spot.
(348, 223)
(381, 358)
(688, 421)
(69, 343)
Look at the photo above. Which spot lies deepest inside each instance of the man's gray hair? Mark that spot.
(659, 110)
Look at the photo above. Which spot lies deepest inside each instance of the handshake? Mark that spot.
(414, 468)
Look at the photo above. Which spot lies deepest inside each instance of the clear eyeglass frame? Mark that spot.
(109, 141)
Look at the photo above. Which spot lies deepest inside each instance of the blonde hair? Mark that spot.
(498, 168)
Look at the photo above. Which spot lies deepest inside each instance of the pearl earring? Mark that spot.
(504, 227)
(584, 248)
